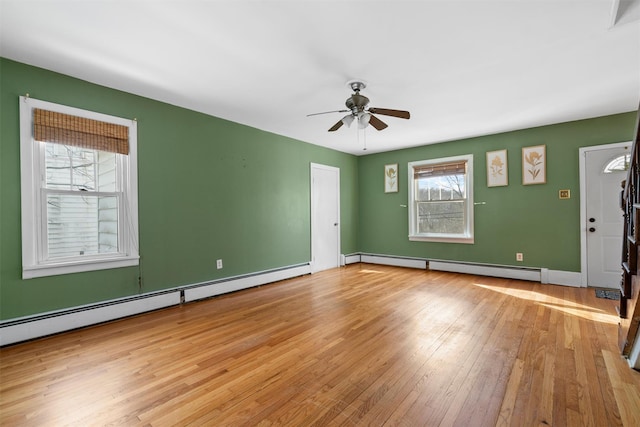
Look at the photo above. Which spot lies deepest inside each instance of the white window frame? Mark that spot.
(467, 236)
(32, 175)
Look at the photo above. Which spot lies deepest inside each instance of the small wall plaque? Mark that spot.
(564, 194)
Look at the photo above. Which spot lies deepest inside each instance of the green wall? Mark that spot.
(208, 189)
(529, 219)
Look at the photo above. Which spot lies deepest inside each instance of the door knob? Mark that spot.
(592, 229)
(335, 224)
(592, 220)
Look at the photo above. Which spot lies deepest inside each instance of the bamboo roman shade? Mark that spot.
(51, 126)
(442, 169)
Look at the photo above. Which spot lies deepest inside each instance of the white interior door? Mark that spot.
(325, 217)
(604, 217)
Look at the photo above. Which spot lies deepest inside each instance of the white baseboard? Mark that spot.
(394, 261)
(487, 270)
(211, 289)
(352, 259)
(27, 328)
(565, 278)
(43, 324)
(544, 275)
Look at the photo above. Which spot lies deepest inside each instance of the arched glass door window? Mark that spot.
(619, 164)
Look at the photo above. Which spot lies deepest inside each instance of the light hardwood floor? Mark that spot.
(361, 345)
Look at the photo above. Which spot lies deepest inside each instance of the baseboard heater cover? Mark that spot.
(487, 270)
(394, 261)
(210, 289)
(30, 327)
(352, 259)
(542, 275)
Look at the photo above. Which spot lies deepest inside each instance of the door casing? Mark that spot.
(583, 205)
(323, 220)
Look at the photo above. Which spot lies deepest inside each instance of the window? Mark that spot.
(441, 200)
(79, 190)
(619, 164)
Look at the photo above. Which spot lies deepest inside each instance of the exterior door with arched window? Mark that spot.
(605, 169)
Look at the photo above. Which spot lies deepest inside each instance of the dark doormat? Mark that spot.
(608, 294)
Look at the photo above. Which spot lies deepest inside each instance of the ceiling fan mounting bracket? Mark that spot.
(356, 85)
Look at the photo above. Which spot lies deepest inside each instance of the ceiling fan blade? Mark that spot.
(376, 122)
(328, 112)
(336, 126)
(387, 112)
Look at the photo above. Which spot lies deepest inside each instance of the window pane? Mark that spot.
(448, 187)
(619, 164)
(81, 224)
(81, 169)
(441, 217)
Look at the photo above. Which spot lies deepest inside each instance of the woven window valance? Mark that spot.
(51, 126)
(442, 169)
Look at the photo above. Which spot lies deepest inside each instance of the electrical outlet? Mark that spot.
(219, 264)
(519, 256)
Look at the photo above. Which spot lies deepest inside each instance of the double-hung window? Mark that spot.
(441, 200)
(79, 190)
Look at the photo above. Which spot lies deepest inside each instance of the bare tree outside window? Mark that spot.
(441, 204)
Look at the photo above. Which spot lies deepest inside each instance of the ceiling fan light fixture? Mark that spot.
(363, 120)
(348, 119)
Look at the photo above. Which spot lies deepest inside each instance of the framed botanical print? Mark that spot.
(391, 178)
(534, 165)
(497, 170)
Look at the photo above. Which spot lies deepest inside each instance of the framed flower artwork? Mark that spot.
(391, 178)
(497, 171)
(534, 165)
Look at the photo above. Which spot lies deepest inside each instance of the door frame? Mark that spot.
(583, 203)
(312, 168)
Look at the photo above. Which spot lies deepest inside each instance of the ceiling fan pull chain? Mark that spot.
(364, 137)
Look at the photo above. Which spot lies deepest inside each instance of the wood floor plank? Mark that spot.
(360, 345)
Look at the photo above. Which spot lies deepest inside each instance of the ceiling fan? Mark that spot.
(358, 108)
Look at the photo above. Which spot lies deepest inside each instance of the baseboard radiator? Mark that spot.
(396, 261)
(30, 327)
(531, 274)
(542, 275)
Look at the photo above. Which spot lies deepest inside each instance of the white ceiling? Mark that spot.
(462, 68)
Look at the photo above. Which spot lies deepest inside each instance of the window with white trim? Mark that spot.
(441, 200)
(79, 190)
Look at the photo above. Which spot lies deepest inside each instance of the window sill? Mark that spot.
(442, 239)
(43, 270)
